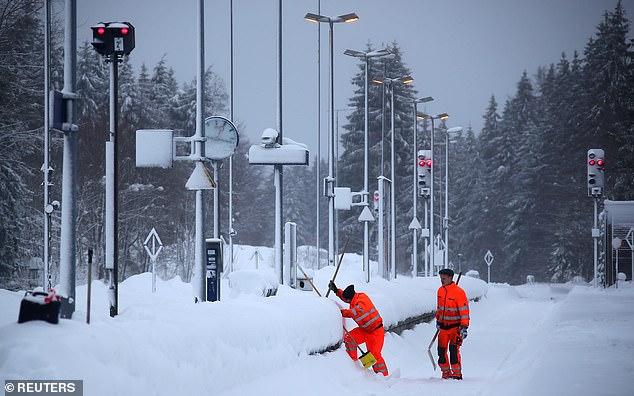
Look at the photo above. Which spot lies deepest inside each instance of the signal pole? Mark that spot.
(113, 40)
(595, 176)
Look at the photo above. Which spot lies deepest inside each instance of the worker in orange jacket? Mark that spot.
(452, 321)
(370, 330)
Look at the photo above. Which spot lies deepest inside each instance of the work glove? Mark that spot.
(463, 332)
(437, 326)
(332, 286)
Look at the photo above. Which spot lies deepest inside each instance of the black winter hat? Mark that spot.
(446, 271)
(348, 293)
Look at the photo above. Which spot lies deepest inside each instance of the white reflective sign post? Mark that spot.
(629, 238)
(153, 247)
(488, 258)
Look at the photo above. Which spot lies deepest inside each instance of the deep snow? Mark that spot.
(524, 340)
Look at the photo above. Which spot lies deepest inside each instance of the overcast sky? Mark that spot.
(460, 52)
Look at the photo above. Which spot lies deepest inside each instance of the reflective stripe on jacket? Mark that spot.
(362, 311)
(453, 306)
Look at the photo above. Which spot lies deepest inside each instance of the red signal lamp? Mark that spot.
(591, 162)
(101, 31)
(600, 162)
(124, 31)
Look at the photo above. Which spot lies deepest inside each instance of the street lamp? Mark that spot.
(441, 116)
(446, 219)
(389, 82)
(346, 18)
(380, 53)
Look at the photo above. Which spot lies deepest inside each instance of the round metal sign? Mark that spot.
(222, 138)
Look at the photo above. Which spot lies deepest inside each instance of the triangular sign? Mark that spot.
(200, 178)
(366, 215)
(415, 224)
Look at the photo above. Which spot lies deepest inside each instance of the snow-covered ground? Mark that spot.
(525, 340)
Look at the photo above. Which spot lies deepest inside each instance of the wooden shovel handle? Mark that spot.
(345, 245)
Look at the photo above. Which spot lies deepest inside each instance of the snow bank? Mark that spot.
(164, 344)
(259, 283)
(396, 300)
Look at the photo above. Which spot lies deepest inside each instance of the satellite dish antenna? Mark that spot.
(221, 138)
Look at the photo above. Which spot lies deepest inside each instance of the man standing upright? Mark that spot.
(370, 330)
(452, 321)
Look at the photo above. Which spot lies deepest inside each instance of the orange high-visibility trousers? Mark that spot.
(449, 341)
(373, 341)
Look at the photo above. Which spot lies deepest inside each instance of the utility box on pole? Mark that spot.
(213, 267)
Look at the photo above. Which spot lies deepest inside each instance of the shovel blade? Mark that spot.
(367, 360)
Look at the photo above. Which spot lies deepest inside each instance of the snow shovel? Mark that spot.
(431, 357)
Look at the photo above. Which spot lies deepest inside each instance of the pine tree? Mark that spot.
(20, 134)
(494, 153)
(351, 162)
(607, 82)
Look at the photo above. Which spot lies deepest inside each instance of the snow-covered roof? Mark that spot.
(621, 212)
(620, 215)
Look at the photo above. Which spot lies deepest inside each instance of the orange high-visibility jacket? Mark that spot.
(362, 311)
(453, 307)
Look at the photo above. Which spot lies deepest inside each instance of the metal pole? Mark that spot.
(231, 157)
(199, 256)
(415, 254)
(216, 173)
(631, 243)
(425, 243)
(431, 215)
(488, 274)
(616, 267)
(278, 171)
(366, 230)
(318, 161)
(612, 273)
(45, 165)
(337, 178)
(383, 122)
(446, 218)
(415, 200)
(595, 241)
(112, 191)
(89, 286)
(331, 152)
(153, 275)
(380, 231)
(69, 188)
(392, 190)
